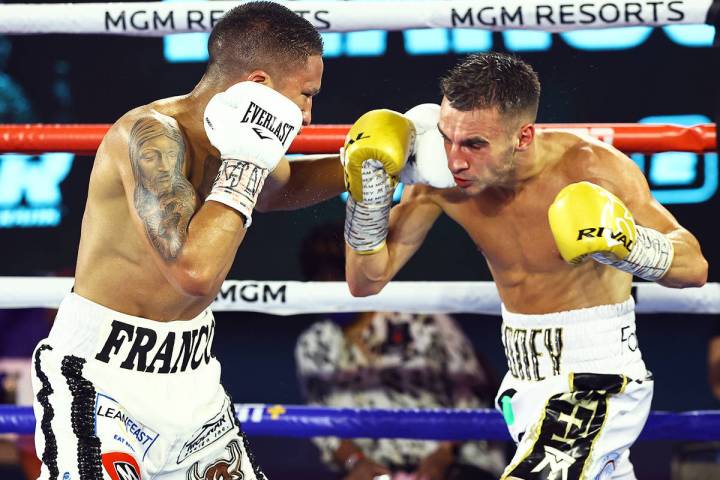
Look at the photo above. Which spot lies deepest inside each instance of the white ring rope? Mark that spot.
(161, 18)
(291, 298)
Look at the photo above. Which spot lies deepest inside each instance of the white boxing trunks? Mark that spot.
(119, 397)
(577, 393)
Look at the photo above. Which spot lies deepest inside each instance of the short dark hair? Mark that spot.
(492, 80)
(262, 35)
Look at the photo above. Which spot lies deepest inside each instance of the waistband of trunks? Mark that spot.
(598, 339)
(94, 332)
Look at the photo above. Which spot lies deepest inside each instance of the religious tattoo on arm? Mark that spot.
(164, 199)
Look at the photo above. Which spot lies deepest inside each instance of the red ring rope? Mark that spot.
(629, 137)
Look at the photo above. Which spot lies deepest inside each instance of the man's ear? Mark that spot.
(525, 137)
(260, 76)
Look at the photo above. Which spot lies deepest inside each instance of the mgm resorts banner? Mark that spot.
(161, 18)
(293, 298)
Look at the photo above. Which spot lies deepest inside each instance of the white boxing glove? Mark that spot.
(252, 126)
(427, 164)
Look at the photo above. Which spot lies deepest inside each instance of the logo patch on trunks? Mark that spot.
(557, 462)
(109, 415)
(610, 463)
(225, 469)
(121, 466)
(209, 433)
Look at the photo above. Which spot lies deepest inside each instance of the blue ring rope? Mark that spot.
(431, 424)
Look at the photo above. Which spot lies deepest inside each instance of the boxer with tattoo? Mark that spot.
(171, 196)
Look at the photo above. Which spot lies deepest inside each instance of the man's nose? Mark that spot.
(456, 161)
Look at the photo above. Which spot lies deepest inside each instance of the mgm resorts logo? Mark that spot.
(252, 292)
(30, 189)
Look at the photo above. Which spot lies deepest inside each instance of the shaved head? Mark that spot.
(261, 36)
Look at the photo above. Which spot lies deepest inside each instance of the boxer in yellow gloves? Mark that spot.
(564, 222)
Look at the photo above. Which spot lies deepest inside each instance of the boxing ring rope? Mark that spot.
(628, 137)
(300, 421)
(161, 18)
(288, 298)
(294, 298)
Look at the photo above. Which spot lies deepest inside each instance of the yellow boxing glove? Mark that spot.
(586, 219)
(380, 140)
(376, 149)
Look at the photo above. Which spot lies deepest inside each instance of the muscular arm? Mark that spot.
(302, 182)
(410, 222)
(689, 267)
(193, 249)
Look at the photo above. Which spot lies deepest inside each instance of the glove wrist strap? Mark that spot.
(366, 224)
(650, 257)
(237, 185)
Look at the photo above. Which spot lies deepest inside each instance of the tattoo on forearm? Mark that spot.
(164, 199)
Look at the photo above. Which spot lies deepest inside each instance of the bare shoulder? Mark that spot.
(587, 158)
(127, 127)
(140, 129)
(425, 194)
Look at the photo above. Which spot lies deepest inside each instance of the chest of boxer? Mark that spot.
(114, 266)
(513, 233)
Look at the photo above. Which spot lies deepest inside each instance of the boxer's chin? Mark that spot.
(472, 187)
